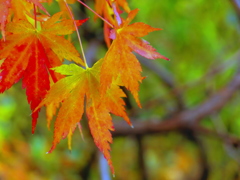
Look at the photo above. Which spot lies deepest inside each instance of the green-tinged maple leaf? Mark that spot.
(120, 63)
(71, 91)
(30, 53)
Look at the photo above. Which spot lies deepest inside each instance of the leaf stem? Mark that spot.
(95, 13)
(35, 15)
(78, 35)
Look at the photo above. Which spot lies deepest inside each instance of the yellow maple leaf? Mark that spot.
(71, 91)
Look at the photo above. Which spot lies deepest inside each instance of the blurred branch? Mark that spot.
(231, 148)
(161, 72)
(191, 135)
(167, 127)
(141, 162)
(85, 171)
(225, 137)
(184, 119)
(166, 78)
(217, 68)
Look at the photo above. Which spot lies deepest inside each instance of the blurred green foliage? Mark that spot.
(198, 36)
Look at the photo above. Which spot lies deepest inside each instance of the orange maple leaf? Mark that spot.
(5, 5)
(71, 91)
(106, 9)
(120, 63)
(29, 53)
(38, 4)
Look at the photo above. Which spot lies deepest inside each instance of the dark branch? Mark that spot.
(184, 119)
(166, 78)
(141, 162)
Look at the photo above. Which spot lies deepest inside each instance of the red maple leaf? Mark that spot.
(30, 54)
(4, 9)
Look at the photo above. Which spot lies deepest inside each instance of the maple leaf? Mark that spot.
(4, 9)
(38, 4)
(106, 9)
(63, 7)
(20, 10)
(120, 63)
(71, 91)
(30, 53)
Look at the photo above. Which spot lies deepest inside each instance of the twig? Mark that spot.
(141, 162)
(166, 78)
(95, 13)
(191, 135)
(214, 70)
(78, 35)
(85, 171)
(186, 118)
(231, 148)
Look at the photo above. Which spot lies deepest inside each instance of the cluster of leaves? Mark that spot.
(33, 47)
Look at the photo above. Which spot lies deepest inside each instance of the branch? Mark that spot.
(141, 162)
(84, 173)
(184, 119)
(215, 69)
(191, 135)
(166, 78)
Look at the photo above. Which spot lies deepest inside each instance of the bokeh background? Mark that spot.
(201, 38)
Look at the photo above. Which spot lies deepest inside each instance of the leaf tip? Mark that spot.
(163, 57)
(52, 148)
(166, 58)
(34, 123)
